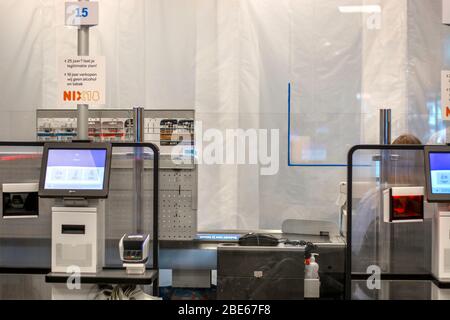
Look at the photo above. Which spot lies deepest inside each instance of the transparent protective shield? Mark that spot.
(25, 241)
(394, 290)
(377, 244)
(130, 203)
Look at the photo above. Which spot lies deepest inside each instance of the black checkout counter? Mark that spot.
(32, 257)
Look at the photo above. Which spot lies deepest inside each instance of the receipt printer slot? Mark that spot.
(73, 229)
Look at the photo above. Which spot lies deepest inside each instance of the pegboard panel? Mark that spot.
(178, 221)
(177, 180)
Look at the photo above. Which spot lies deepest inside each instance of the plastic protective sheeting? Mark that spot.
(232, 61)
(428, 54)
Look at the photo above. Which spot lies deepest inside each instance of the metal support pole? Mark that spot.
(385, 126)
(385, 139)
(383, 232)
(138, 123)
(83, 109)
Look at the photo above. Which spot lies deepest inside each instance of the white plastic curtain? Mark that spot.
(232, 61)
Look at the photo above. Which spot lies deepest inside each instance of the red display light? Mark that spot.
(407, 207)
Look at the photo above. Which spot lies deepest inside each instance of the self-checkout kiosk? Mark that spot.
(437, 173)
(437, 176)
(76, 176)
(414, 204)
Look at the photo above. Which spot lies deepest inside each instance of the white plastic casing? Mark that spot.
(441, 246)
(84, 251)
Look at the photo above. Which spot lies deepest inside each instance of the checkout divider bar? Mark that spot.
(348, 256)
(156, 157)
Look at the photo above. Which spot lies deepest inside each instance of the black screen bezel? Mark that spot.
(430, 196)
(62, 193)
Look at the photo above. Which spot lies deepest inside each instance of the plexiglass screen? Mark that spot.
(26, 243)
(301, 81)
(395, 248)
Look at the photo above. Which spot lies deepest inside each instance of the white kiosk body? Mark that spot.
(437, 178)
(441, 246)
(78, 236)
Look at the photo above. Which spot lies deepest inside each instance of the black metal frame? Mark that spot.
(156, 153)
(348, 256)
